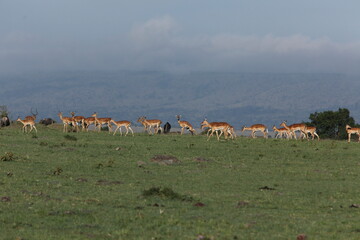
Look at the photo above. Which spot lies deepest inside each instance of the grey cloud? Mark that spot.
(158, 45)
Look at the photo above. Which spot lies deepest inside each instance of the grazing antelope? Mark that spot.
(351, 130)
(185, 124)
(27, 122)
(120, 124)
(256, 128)
(312, 131)
(77, 120)
(223, 127)
(66, 121)
(148, 123)
(280, 132)
(101, 121)
(295, 127)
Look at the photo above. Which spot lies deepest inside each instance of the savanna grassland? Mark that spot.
(57, 185)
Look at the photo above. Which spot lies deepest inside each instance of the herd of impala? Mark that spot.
(286, 131)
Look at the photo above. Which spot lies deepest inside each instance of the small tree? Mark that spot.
(3, 111)
(331, 124)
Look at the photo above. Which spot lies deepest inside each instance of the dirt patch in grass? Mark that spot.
(354, 206)
(70, 137)
(267, 188)
(81, 180)
(242, 204)
(70, 213)
(167, 193)
(199, 204)
(165, 159)
(201, 159)
(106, 182)
(8, 156)
(5, 199)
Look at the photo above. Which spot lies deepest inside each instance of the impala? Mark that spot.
(231, 132)
(33, 116)
(256, 128)
(223, 127)
(185, 125)
(148, 123)
(66, 121)
(120, 124)
(141, 120)
(77, 120)
(280, 132)
(101, 121)
(351, 130)
(88, 121)
(295, 127)
(27, 122)
(312, 131)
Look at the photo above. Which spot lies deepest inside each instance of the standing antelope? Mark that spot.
(256, 128)
(77, 120)
(223, 127)
(141, 120)
(27, 122)
(148, 123)
(120, 124)
(280, 132)
(231, 132)
(185, 124)
(66, 121)
(33, 116)
(101, 121)
(88, 121)
(295, 127)
(312, 131)
(351, 130)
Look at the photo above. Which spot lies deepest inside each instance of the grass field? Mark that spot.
(57, 185)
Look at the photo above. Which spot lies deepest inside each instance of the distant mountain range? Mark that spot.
(238, 98)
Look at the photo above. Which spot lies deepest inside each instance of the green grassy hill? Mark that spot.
(57, 185)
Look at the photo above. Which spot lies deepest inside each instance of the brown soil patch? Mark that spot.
(201, 159)
(105, 182)
(165, 159)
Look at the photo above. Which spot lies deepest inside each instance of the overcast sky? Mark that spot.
(321, 36)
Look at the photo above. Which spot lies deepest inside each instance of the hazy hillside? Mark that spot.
(234, 97)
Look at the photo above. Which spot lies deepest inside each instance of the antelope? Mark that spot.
(351, 130)
(120, 124)
(280, 132)
(27, 122)
(150, 123)
(141, 120)
(33, 115)
(185, 124)
(256, 128)
(223, 127)
(231, 132)
(78, 119)
(295, 127)
(312, 131)
(66, 121)
(101, 121)
(88, 121)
